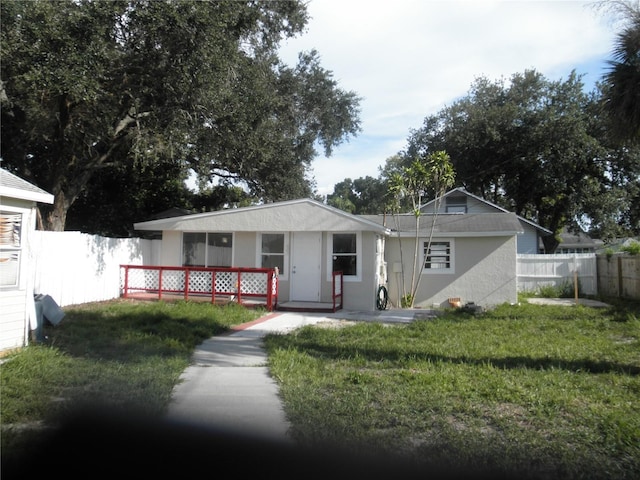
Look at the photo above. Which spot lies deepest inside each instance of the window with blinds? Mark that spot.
(10, 248)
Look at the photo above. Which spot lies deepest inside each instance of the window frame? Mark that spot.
(358, 254)
(206, 249)
(455, 205)
(451, 256)
(13, 249)
(283, 274)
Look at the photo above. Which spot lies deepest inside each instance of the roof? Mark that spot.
(493, 205)
(455, 224)
(15, 187)
(293, 215)
(571, 239)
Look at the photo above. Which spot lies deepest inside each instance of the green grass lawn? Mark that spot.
(122, 354)
(523, 391)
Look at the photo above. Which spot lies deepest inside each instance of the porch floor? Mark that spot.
(317, 307)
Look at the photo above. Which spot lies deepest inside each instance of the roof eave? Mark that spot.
(26, 195)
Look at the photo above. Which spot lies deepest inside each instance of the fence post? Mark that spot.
(620, 277)
(186, 284)
(126, 280)
(213, 286)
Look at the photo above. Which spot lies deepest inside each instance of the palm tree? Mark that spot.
(622, 81)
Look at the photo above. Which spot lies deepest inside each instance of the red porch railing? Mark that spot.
(247, 286)
(337, 289)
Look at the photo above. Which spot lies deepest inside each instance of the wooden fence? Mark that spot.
(619, 275)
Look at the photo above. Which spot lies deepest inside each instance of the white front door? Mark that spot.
(305, 266)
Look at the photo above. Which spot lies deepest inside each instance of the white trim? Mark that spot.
(346, 278)
(20, 250)
(284, 273)
(452, 257)
(20, 194)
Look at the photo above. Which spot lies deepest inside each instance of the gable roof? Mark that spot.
(455, 224)
(492, 205)
(292, 215)
(15, 187)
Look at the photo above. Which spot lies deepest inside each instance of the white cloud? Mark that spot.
(407, 59)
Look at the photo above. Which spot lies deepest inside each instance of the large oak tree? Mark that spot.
(135, 86)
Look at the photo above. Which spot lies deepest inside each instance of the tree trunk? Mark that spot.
(55, 216)
(550, 243)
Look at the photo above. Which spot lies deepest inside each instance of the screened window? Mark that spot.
(345, 253)
(438, 257)
(207, 249)
(10, 248)
(272, 251)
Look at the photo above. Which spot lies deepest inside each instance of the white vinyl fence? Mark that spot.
(75, 268)
(535, 271)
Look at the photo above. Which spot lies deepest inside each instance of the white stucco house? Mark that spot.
(472, 256)
(305, 239)
(18, 202)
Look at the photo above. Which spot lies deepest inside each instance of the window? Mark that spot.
(10, 248)
(456, 205)
(272, 248)
(345, 254)
(438, 258)
(207, 249)
(219, 249)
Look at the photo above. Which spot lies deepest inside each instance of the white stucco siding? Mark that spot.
(244, 250)
(484, 273)
(361, 294)
(171, 252)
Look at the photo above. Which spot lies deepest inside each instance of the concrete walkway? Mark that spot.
(228, 385)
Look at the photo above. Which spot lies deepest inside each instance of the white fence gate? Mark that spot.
(535, 271)
(75, 267)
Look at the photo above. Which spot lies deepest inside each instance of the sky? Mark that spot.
(408, 59)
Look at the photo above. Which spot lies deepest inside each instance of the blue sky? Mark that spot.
(408, 59)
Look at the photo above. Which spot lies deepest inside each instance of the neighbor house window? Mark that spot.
(10, 248)
(201, 249)
(272, 248)
(456, 205)
(345, 254)
(438, 257)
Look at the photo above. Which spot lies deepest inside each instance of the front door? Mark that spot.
(305, 266)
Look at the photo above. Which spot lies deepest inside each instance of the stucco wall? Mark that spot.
(244, 250)
(485, 273)
(361, 294)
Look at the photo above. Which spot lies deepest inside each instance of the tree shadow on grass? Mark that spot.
(584, 365)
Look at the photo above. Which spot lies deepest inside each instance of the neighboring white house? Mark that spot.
(473, 256)
(18, 200)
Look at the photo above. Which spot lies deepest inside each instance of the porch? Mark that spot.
(250, 287)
